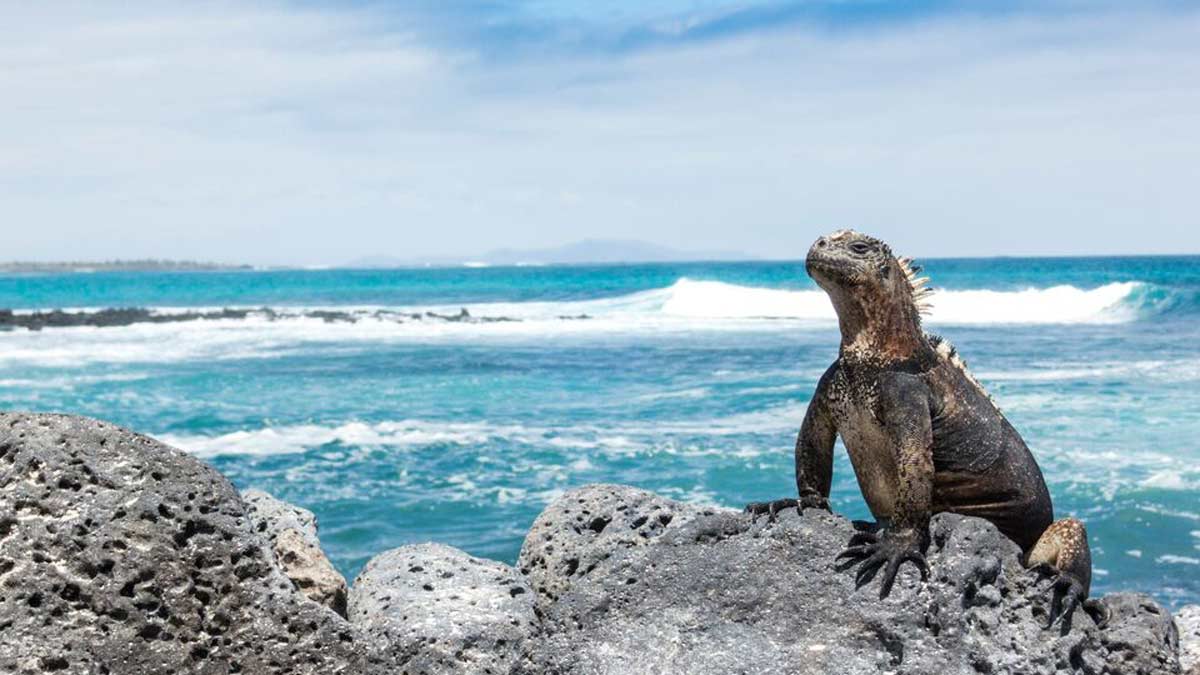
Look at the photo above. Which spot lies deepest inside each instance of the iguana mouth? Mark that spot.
(816, 263)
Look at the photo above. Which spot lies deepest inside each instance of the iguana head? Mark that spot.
(878, 297)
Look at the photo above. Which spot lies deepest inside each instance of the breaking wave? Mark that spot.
(685, 299)
(1058, 304)
(71, 338)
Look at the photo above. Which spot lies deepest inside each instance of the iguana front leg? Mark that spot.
(904, 412)
(814, 457)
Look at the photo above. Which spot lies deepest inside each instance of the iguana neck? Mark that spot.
(881, 332)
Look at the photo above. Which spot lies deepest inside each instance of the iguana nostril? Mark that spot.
(822, 242)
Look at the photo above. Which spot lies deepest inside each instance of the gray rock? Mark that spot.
(119, 554)
(723, 593)
(1187, 619)
(431, 609)
(272, 515)
(584, 527)
(292, 532)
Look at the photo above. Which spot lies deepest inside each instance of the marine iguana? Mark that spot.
(922, 434)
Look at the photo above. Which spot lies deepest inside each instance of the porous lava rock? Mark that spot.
(1187, 619)
(292, 532)
(429, 609)
(121, 555)
(727, 593)
(578, 531)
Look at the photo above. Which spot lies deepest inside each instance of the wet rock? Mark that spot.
(110, 317)
(430, 609)
(1187, 619)
(292, 532)
(119, 554)
(584, 527)
(724, 593)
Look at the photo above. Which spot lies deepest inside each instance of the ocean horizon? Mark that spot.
(370, 397)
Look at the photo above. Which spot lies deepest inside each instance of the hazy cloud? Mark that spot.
(306, 134)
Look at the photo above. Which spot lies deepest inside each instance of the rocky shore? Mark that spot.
(114, 317)
(121, 555)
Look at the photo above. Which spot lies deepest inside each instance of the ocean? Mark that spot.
(369, 397)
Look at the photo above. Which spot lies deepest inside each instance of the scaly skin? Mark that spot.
(922, 434)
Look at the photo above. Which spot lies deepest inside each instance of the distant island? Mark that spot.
(114, 266)
(588, 251)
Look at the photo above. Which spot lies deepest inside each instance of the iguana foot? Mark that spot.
(1067, 595)
(1099, 612)
(772, 509)
(871, 552)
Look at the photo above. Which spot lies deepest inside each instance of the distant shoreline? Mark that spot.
(82, 267)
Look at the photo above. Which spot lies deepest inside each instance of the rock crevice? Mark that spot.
(296, 550)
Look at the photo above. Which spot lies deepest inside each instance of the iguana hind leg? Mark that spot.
(1063, 550)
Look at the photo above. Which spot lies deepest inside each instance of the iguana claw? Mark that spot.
(872, 552)
(807, 500)
(1099, 612)
(1067, 596)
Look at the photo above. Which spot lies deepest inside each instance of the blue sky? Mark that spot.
(314, 133)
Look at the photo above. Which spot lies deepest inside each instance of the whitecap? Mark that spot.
(1177, 560)
(1169, 480)
(691, 393)
(1180, 370)
(619, 438)
(300, 438)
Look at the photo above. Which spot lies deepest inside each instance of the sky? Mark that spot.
(313, 133)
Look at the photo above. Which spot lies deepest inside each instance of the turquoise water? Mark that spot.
(686, 379)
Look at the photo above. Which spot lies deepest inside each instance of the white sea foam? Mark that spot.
(1124, 468)
(617, 439)
(691, 393)
(1181, 370)
(1058, 304)
(1173, 479)
(1176, 513)
(298, 438)
(700, 299)
(696, 299)
(767, 430)
(686, 307)
(1177, 560)
(69, 381)
(714, 299)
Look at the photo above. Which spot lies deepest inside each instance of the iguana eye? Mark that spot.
(860, 247)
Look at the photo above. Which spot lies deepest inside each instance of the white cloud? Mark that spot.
(272, 134)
